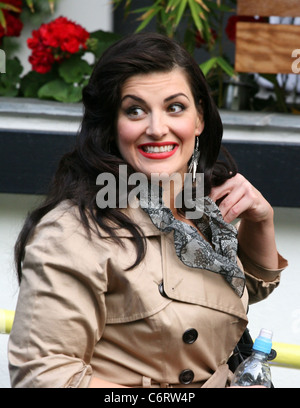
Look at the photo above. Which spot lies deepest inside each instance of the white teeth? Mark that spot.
(156, 149)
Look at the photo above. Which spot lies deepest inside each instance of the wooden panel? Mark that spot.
(266, 48)
(266, 8)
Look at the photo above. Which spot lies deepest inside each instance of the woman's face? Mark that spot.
(158, 122)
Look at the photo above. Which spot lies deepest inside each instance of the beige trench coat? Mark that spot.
(80, 314)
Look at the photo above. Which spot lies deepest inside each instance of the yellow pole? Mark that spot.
(6, 320)
(288, 355)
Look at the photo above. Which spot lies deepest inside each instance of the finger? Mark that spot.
(219, 192)
(234, 203)
(237, 210)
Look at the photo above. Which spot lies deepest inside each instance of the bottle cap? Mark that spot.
(264, 341)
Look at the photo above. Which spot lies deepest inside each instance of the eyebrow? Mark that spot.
(169, 98)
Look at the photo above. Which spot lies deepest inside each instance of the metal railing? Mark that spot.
(6, 320)
(288, 355)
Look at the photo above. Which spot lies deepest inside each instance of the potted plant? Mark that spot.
(203, 24)
(59, 72)
(59, 49)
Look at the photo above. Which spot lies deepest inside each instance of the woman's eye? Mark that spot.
(176, 108)
(135, 112)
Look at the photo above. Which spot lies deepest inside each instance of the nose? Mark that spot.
(157, 126)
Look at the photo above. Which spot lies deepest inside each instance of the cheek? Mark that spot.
(128, 133)
(186, 131)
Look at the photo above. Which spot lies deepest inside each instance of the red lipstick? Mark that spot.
(149, 150)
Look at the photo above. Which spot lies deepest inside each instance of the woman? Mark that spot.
(141, 296)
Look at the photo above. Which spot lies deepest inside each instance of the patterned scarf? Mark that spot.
(191, 248)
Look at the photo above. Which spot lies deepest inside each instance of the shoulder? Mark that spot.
(64, 213)
(63, 224)
(61, 235)
(62, 249)
(60, 223)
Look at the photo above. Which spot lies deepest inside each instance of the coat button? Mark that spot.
(186, 376)
(190, 336)
(162, 290)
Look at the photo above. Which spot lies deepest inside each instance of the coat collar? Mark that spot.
(137, 216)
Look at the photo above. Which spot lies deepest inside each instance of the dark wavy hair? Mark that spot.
(96, 151)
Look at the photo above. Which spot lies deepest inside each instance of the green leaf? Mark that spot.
(9, 81)
(33, 81)
(142, 9)
(127, 7)
(8, 90)
(30, 4)
(2, 20)
(217, 61)
(208, 65)
(226, 67)
(74, 70)
(147, 17)
(60, 91)
(105, 36)
(13, 71)
(220, 7)
(116, 3)
(9, 7)
(180, 12)
(14, 68)
(196, 11)
(172, 5)
(104, 40)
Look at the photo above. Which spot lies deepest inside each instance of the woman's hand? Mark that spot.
(237, 198)
(241, 200)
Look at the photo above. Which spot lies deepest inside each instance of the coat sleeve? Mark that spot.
(60, 313)
(260, 281)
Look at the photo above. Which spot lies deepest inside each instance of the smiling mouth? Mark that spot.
(158, 150)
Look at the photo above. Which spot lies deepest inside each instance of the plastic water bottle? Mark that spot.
(255, 370)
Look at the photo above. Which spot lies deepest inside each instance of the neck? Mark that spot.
(171, 189)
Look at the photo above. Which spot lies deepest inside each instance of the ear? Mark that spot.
(199, 124)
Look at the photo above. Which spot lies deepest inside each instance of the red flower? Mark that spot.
(13, 24)
(231, 24)
(57, 40)
(16, 3)
(41, 60)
